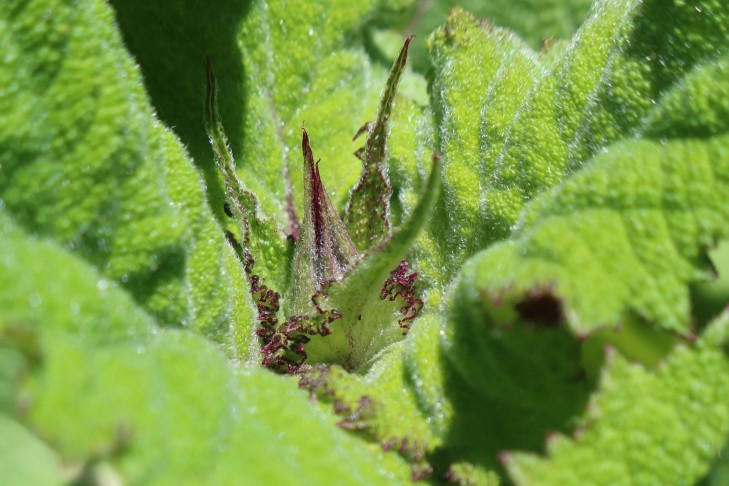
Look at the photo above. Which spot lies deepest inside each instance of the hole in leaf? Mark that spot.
(541, 308)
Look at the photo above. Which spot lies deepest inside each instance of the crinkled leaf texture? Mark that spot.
(617, 154)
(602, 163)
(159, 406)
(85, 163)
(107, 241)
(629, 231)
(511, 122)
(581, 186)
(654, 428)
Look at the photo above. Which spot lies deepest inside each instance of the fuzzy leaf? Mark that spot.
(608, 220)
(667, 187)
(221, 432)
(85, 162)
(600, 161)
(507, 136)
(640, 423)
(575, 243)
(380, 405)
(295, 57)
(263, 251)
(505, 388)
(368, 212)
(513, 123)
(104, 386)
(325, 252)
(368, 310)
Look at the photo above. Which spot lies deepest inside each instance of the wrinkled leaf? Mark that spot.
(577, 242)
(587, 178)
(639, 423)
(141, 386)
(303, 84)
(85, 162)
(509, 134)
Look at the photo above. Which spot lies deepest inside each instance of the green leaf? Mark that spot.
(331, 280)
(506, 388)
(262, 251)
(221, 432)
(105, 387)
(294, 60)
(85, 163)
(665, 43)
(70, 297)
(368, 301)
(513, 123)
(582, 187)
(171, 56)
(508, 119)
(380, 406)
(325, 251)
(573, 248)
(402, 403)
(575, 243)
(368, 211)
(17, 447)
(640, 422)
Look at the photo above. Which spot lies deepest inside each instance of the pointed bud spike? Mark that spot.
(351, 343)
(257, 236)
(324, 251)
(368, 213)
(378, 134)
(241, 203)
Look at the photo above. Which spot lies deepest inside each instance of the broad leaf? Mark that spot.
(85, 162)
(614, 219)
(82, 336)
(144, 278)
(294, 61)
(508, 136)
(654, 428)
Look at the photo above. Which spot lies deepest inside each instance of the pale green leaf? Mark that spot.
(578, 242)
(644, 427)
(85, 163)
(24, 459)
(588, 178)
(295, 59)
(508, 119)
(106, 387)
(369, 320)
(644, 208)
